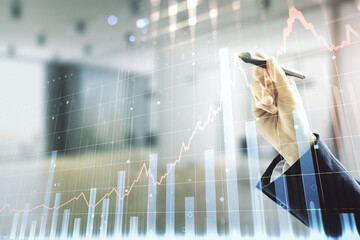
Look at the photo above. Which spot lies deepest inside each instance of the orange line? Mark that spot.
(294, 14)
(184, 147)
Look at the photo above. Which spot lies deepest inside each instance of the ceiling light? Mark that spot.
(213, 13)
(172, 27)
(173, 9)
(191, 3)
(192, 21)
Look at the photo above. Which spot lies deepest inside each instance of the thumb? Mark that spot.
(278, 76)
(261, 54)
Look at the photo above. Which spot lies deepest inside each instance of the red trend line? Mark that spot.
(184, 147)
(294, 14)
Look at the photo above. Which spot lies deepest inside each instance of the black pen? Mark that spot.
(261, 62)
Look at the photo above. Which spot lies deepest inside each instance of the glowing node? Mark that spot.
(142, 22)
(132, 38)
(112, 20)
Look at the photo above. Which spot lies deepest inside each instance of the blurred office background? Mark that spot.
(106, 84)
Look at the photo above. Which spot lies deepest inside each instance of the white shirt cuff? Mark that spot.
(279, 169)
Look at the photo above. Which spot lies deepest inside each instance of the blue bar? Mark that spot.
(170, 199)
(133, 226)
(76, 230)
(65, 224)
(211, 220)
(282, 199)
(254, 177)
(24, 221)
(308, 173)
(32, 229)
(229, 141)
(91, 212)
(104, 218)
(55, 216)
(48, 195)
(348, 224)
(14, 226)
(119, 204)
(189, 217)
(151, 221)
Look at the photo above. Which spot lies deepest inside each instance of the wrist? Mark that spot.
(291, 152)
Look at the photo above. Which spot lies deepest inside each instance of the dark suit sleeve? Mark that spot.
(338, 191)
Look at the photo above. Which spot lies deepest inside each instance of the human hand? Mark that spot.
(275, 97)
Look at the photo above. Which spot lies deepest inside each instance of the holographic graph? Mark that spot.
(295, 14)
(226, 109)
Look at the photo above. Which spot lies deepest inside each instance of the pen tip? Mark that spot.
(245, 55)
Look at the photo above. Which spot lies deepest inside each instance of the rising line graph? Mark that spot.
(294, 15)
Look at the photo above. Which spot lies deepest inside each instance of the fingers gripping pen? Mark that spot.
(261, 62)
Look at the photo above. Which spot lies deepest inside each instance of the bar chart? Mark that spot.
(109, 216)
